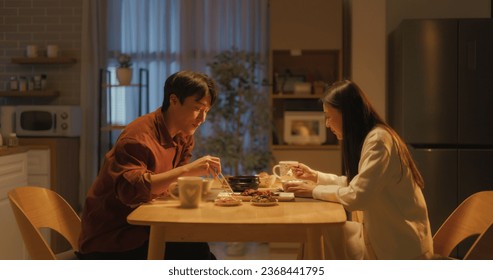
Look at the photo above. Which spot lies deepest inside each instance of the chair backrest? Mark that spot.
(35, 208)
(474, 216)
(483, 247)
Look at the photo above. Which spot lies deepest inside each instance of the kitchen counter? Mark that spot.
(4, 150)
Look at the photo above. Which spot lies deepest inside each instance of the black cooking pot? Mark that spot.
(242, 183)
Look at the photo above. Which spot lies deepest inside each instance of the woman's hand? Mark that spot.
(205, 166)
(304, 189)
(304, 172)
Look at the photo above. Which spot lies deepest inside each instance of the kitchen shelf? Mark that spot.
(30, 93)
(110, 90)
(305, 147)
(122, 86)
(46, 93)
(313, 66)
(43, 60)
(296, 96)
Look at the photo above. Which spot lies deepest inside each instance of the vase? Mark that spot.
(124, 76)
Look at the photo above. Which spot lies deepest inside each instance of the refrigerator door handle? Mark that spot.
(471, 55)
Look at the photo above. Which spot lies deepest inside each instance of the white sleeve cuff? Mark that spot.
(330, 179)
(326, 192)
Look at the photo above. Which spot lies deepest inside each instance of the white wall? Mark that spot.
(373, 20)
(368, 49)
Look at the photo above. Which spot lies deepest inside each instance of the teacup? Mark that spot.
(207, 185)
(284, 170)
(189, 191)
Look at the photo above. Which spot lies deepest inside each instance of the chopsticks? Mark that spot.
(223, 181)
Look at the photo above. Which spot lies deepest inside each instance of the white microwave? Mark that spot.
(48, 120)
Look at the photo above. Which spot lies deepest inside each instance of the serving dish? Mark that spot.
(242, 183)
(227, 201)
(280, 196)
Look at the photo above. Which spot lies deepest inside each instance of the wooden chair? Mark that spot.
(474, 216)
(36, 208)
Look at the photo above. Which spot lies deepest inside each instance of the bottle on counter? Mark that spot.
(22, 83)
(37, 82)
(30, 83)
(13, 141)
(43, 81)
(14, 83)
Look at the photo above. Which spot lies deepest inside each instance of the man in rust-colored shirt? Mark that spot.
(151, 152)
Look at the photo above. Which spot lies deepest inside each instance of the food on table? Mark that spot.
(252, 192)
(266, 180)
(227, 201)
(264, 197)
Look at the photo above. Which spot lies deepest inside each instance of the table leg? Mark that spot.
(301, 252)
(313, 246)
(157, 243)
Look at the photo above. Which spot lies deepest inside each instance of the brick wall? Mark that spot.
(41, 22)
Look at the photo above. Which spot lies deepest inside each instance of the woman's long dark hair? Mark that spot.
(358, 119)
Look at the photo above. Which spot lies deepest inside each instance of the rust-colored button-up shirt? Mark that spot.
(144, 146)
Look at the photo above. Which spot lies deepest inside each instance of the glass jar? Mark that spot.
(30, 83)
(43, 81)
(13, 141)
(14, 84)
(22, 83)
(37, 82)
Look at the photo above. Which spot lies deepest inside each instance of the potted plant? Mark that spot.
(238, 126)
(124, 72)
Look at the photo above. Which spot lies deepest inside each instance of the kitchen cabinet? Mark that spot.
(30, 167)
(13, 173)
(38, 167)
(30, 93)
(111, 93)
(55, 160)
(63, 165)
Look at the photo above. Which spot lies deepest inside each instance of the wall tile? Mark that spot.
(41, 22)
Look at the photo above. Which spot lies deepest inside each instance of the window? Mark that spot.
(165, 36)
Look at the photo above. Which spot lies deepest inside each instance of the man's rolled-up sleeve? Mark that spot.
(128, 170)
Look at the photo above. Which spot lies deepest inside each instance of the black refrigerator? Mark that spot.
(441, 103)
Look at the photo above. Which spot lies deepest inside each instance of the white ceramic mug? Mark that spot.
(284, 169)
(189, 191)
(52, 50)
(207, 185)
(32, 51)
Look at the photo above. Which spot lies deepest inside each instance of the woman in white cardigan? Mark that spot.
(381, 180)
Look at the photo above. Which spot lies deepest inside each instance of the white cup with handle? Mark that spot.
(207, 185)
(284, 168)
(52, 51)
(189, 191)
(32, 51)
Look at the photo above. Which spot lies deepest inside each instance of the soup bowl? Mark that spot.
(242, 183)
